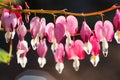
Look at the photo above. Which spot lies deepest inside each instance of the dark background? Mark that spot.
(107, 69)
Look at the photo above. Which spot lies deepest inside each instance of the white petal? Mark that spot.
(68, 39)
(41, 61)
(12, 34)
(23, 61)
(54, 45)
(88, 47)
(8, 36)
(94, 60)
(18, 55)
(105, 47)
(76, 64)
(59, 67)
(34, 43)
(117, 36)
(25, 44)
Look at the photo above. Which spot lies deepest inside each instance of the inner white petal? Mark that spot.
(59, 67)
(8, 35)
(54, 45)
(117, 36)
(76, 64)
(94, 60)
(34, 43)
(68, 39)
(13, 34)
(23, 61)
(105, 47)
(87, 47)
(41, 61)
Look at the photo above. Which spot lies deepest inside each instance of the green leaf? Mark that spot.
(4, 56)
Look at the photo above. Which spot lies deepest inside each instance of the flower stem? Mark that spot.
(10, 49)
(61, 11)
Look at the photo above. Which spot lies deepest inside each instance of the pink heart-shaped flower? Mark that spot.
(59, 32)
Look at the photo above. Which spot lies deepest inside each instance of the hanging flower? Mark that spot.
(37, 30)
(95, 50)
(34, 30)
(18, 14)
(42, 50)
(75, 52)
(21, 31)
(104, 32)
(71, 26)
(9, 23)
(22, 49)
(55, 33)
(59, 57)
(85, 33)
(116, 22)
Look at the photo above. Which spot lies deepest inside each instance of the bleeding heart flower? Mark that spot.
(18, 14)
(116, 22)
(70, 24)
(21, 31)
(9, 22)
(42, 50)
(34, 30)
(55, 34)
(59, 32)
(59, 57)
(85, 33)
(50, 32)
(95, 50)
(22, 49)
(104, 32)
(75, 52)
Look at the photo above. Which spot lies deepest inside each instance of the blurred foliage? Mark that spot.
(4, 56)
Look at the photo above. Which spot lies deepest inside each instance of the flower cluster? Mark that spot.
(62, 29)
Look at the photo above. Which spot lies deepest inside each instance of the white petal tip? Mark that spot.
(35, 43)
(76, 64)
(117, 37)
(88, 47)
(13, 34)
(23, 61)
(105, 54)
(7, 36)
(94, 60)
(42, 62)
(59, 67)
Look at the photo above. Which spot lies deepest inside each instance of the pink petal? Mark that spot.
(21, 31)
(42, 27)
(104, 30)
(79, 49)
(19, 7)
(59, 53)
(75, 50)
(23, 45)
(71, 25)
(9, 21)
(85, 32)
(99, 30)
(61, 19)
(59, 32)
(95, 45)
(50, 32)
(108, 30)
(42, 48)
(116, 20)
(34, 26)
